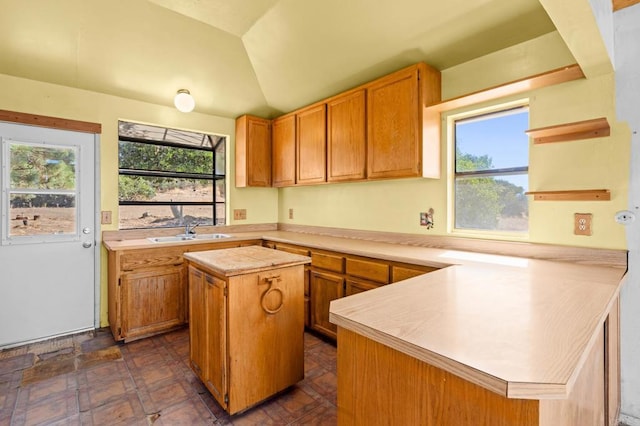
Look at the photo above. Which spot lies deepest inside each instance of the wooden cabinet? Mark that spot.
(284, 150)
(311, 145)
(143, 292)
(253, 151)
(325, 287)
(393, 122)
(147, 288)
(346, 137)
(207, 331)
(247, 342)
(333, 275)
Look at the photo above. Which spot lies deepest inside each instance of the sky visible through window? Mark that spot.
(501, 138)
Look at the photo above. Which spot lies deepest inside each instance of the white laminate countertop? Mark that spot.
(517, 326)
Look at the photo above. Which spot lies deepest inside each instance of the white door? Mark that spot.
(47, 234)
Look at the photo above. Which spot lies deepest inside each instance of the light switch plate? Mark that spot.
(105, 217)
(240, 214)
(582, 224)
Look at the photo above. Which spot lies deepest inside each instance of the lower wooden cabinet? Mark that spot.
(325, 287)
(207, 331)
(147, 288)
(333, 275)
(143, 292)
(246, 333)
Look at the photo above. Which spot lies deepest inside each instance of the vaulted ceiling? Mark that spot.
(249, 56)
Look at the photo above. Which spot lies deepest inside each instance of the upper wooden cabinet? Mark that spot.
(311, 145)
(284, 150)
(253, 151)
(378, 130)
(347, 137)
(395, 106)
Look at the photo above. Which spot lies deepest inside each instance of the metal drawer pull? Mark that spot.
(269, 290)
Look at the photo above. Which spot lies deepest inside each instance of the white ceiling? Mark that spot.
(249, 56)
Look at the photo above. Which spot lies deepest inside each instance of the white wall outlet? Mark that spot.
(582, 224)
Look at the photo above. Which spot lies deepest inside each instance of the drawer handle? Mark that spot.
(270, 290)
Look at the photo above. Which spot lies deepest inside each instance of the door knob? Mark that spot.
(87, 244)
(86, 230)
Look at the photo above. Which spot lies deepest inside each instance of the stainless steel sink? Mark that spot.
(211, 236)
(171, 239)
(187, 237)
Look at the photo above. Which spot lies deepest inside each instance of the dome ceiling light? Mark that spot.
(183, 101)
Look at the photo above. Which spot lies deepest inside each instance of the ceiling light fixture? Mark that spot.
(184, 101)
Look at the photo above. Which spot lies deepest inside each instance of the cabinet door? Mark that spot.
(346, 137)
(325, 287)
(253, 151)
(216, 309)
(393, 118)
(311, 143)
(153, 300)
(284, 151)
(353, 286)
(197, 322)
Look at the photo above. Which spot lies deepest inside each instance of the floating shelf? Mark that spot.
(596, 128)
(574, 195)
(549, 78)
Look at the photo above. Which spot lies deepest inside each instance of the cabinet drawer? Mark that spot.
(355, 286)
(369, 269)
(294, 250)
(137, 259)
(327, 261)
(399, 273)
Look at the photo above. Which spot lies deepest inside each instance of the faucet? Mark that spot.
(188, 229)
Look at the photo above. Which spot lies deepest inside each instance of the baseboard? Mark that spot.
(626, 420)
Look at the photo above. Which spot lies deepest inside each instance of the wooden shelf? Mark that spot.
(550, 78)
(572, 195)
(596, 128)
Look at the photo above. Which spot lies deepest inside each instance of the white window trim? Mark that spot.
(450, 138)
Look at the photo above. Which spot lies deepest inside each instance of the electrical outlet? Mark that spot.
(582, 224)
(290, 213)
(240, 214)
(105, 217)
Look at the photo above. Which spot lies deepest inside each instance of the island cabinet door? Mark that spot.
(216, 346)
(197, 322)
(153, 300)
(325, 287)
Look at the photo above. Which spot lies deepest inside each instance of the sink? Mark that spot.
(187, 237)
(211, 236)
(174, 238)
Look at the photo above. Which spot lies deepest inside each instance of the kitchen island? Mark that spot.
(246, 322)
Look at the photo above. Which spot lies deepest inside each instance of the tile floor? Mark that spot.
(87, 379)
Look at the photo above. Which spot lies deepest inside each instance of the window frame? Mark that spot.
(214, 177)
(468, 114)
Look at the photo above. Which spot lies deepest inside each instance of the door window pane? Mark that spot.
(41, 190)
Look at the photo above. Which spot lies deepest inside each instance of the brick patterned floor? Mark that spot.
(89, 380)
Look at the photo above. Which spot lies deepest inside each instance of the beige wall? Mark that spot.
(59, 101)
(393, 205)
(600, 163)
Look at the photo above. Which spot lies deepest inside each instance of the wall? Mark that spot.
(597, 163)
(627, 49)
(59, 101)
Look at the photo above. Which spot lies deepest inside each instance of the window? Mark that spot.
(41, 191)
(491, 171)
(170, 177)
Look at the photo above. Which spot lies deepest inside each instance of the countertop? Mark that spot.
(245, 260)
(520, 327)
